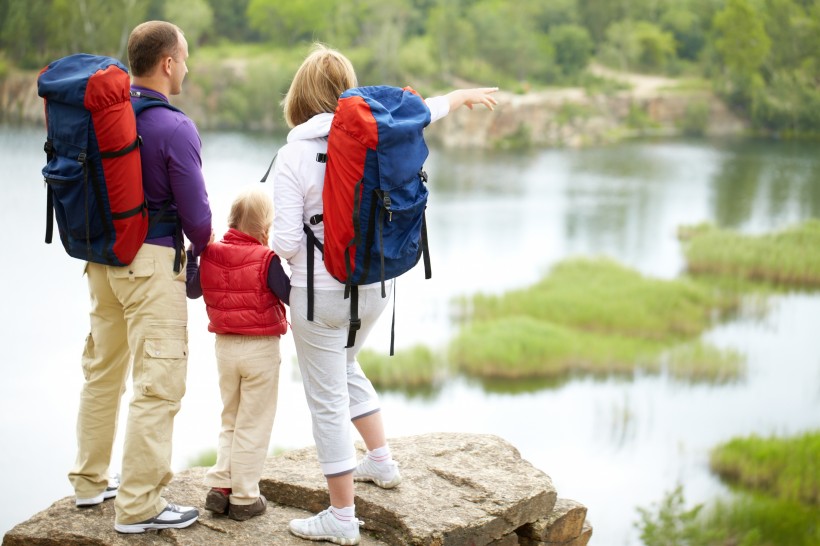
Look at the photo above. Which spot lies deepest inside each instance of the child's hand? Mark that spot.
(469, 97)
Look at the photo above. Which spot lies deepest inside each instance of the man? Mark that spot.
(139, 312)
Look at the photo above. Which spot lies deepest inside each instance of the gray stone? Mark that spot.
(63, 524)
(457, 489)
(564, 523)
(581, 540)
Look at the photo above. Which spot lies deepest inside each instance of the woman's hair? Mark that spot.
(324, 75)
(252, 213)
(149, 43)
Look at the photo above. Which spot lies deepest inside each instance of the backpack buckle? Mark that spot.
(81, 157)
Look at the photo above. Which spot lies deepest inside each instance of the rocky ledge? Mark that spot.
(458, 489)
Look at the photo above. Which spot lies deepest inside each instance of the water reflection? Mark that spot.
(778, 179)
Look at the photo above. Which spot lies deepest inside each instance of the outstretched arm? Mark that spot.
(469, 97)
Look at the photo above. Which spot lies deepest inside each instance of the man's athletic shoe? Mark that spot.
(172, 517)
(108, 493)
(385, 475)
(326, 526)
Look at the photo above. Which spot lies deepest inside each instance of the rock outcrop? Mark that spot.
(458, 489)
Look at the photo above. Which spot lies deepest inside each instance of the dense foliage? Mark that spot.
(763, 56)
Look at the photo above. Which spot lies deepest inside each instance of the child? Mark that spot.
(338, 392)
(244, 286)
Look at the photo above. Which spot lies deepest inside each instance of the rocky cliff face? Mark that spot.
(458, 490)
(574, 118)
(562, 117)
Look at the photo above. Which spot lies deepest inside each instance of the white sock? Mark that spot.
(380, 455)
(345, 514)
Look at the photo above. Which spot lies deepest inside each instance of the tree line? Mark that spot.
(762, 56)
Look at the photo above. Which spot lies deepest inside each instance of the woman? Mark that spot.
(337, 390)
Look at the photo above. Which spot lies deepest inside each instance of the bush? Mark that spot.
(695, 119)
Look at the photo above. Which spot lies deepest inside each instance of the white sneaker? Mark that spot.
(326, 526)
(108, 493)
(385, 475)
(172, 517)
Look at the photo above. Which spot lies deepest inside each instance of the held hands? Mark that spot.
(469, 97)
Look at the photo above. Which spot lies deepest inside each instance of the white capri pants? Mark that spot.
(336, 388)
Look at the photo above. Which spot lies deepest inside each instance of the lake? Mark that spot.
(496, 221)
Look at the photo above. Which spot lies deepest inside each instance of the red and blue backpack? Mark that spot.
(375, 193)
(93, 172)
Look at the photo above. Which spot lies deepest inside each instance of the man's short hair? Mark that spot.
(149, 43)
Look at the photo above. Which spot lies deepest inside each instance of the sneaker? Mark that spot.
(108, 493)
(326, 526)
(385, 475)
(241, 512)
(216, 500)
(172, 517)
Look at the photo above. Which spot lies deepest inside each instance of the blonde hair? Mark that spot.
(252, 213)
(324, 75)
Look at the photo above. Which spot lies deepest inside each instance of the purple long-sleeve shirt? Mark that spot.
(172, 168)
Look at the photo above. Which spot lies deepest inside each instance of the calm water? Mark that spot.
(496, 221)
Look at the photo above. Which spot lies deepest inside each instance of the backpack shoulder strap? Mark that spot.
(312, 242)
(146, 102)
(174, 225)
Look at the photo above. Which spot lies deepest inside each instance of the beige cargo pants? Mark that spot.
(139, 323)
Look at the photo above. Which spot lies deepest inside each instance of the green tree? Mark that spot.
(791, 32)
(194, 17)
(231, 22)
(742, 45)
(513, 47)
(621, 48)
(547, 15)
(36, 32)
(657, 47)
(452, 36)
(687, 29)
(598, 15)
(573, 47)
(286, 22)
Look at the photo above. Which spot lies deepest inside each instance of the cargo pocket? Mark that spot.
(139, 268)
(165, 366)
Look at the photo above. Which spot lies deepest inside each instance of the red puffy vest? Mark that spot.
(234, 277)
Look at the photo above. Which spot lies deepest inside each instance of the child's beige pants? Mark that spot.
(249, 383)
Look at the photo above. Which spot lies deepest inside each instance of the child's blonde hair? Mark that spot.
(324, 75)
(252, 213)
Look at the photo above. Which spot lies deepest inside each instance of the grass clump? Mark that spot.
(788, 469)
(594, 316)
(789, 257)
(604, 297)
(409, 369)
(523, 347)
(702, 362)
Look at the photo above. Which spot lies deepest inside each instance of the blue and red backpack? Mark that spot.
(93, 172)
(375, 193)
